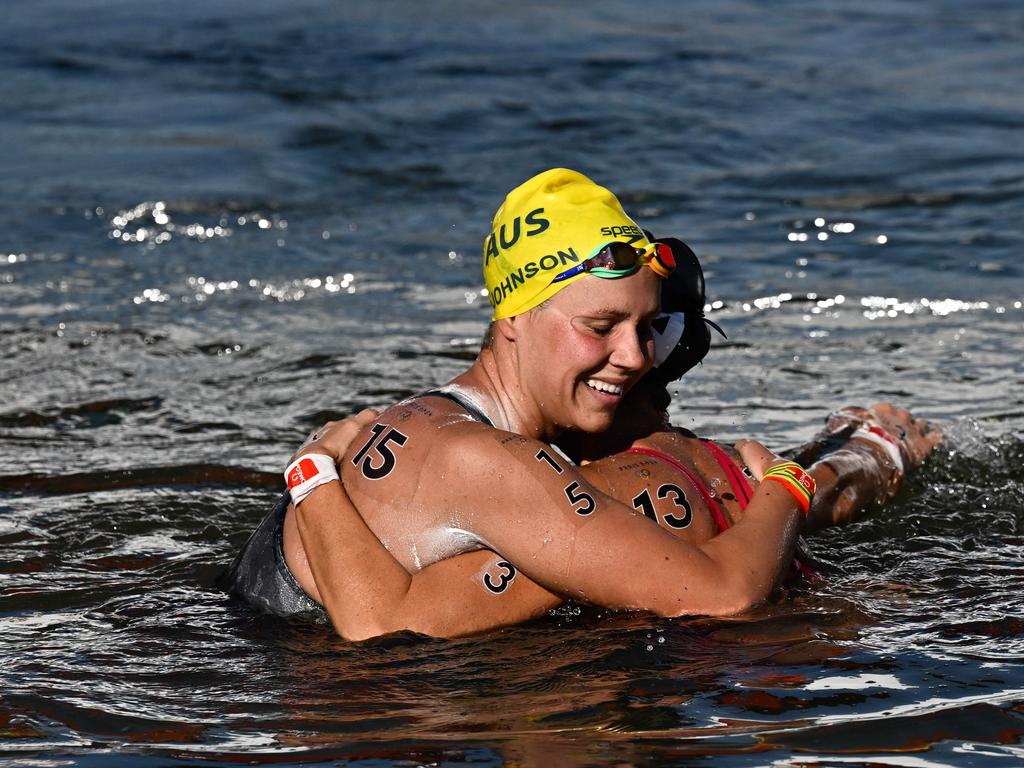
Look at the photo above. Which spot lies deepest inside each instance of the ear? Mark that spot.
(508, 328)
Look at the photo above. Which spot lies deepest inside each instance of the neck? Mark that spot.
(495, 384)
(635, 420)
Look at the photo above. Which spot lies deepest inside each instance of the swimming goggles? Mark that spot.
(618, 259)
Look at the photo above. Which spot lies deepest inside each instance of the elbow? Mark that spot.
(354, 625)
(743, 593)
(356, 632)
(735, 596)
(742, 603)
(359, 628)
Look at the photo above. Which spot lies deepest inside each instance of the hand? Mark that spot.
(334, 437)
(917, 437)
(757, 458)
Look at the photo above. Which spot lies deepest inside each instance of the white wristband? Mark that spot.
(308, 472)
(879, 436)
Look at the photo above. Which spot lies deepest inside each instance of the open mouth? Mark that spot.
(605, 387)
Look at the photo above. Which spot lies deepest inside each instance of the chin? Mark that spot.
(595, 422)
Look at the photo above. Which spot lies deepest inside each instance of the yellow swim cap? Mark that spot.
(546, 226)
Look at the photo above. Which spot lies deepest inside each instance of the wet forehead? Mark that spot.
(637, 295)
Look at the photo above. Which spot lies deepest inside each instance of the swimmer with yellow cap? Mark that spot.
(554, 229)
(463, 482)
(470, 466)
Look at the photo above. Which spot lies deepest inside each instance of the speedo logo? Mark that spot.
(632, 230)
(508, 235)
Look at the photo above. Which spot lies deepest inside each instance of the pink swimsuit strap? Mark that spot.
(740, 487)
(712, 503)
(744, 493)
(734, 474)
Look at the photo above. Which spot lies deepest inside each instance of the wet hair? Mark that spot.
(658, 395)
(488, 340)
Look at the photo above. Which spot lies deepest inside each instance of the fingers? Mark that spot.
(334, 437)
(365, 416)
(756, 457)
(337, 435)
(850, 415)
(922, 440)
(357, 421)
(917, 437)
(851, 412)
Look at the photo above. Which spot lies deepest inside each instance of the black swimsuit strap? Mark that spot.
(462, 401)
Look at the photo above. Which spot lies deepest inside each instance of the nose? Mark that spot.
(631, 353)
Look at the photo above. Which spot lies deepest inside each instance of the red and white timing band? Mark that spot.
(309, 471)
(880, 437)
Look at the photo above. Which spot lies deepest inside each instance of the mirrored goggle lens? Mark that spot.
(619, 259)
(616, 256)
(622, 257)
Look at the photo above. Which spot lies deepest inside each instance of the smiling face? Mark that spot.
(581, 351)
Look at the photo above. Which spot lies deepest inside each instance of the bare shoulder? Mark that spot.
(622, 474)
(403, 440)
(658, 481)
(443, 477)
(493, 478)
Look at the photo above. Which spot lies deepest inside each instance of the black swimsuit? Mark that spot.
(464, 402)
(259, 574)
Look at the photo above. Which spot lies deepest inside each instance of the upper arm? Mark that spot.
(473, 592)
(475, 486)
(658, 491)
(542, 514)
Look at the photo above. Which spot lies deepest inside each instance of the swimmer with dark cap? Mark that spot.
(470, 519)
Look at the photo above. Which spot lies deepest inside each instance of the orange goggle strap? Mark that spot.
(662, 260)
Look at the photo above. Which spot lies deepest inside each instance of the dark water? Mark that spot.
(222, 223)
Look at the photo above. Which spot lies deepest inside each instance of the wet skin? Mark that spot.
(594, 330)
(478, 591)
(456, 486)
(453, 485)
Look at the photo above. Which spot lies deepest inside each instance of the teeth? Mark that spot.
(603, 386)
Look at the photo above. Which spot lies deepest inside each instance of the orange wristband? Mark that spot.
(794, 479)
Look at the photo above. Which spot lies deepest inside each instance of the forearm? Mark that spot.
(361, 585)
(861, 458)
(750, 558)
(647, 568)
(850, 480)
(367, 592)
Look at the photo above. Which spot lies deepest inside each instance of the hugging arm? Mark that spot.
(548, 520)
(367, 592)
(580, 544)
(852, 465)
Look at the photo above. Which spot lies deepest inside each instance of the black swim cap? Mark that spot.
(682, 335)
